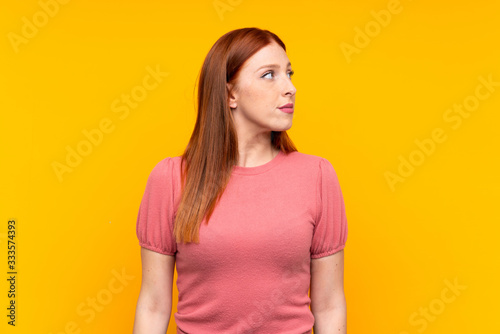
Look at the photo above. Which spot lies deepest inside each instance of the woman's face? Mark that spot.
(260, 91)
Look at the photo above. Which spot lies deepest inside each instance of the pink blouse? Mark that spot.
(250, 273)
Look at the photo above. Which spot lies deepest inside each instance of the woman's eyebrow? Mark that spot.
(273, 66)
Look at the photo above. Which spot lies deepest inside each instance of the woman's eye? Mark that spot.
(267, 74)
(271, 72)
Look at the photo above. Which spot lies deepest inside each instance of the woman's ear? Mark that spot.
(231, 96)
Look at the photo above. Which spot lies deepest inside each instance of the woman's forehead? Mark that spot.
(269, 56)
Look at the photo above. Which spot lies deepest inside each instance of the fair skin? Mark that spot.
(154, 304)
(328, 303)
(254, 102)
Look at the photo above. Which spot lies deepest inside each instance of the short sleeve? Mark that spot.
(154, 227)
(330, 230)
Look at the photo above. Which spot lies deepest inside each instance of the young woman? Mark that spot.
(250, 223)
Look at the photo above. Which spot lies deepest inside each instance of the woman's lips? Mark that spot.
(287, 110)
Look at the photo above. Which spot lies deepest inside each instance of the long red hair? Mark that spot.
(212, 150)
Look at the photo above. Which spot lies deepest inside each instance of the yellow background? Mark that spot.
(363, 112)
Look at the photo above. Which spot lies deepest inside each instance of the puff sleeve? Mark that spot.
(154, 227)
(330, 229)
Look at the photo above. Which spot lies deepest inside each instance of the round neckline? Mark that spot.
(261, 168)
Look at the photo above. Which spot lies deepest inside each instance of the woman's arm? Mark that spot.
(154, 304)
(328, 303)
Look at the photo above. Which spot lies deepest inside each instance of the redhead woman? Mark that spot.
(255, 229)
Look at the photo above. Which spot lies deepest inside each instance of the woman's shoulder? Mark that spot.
(305, 158)
(315, 164)
(169, 161)
(167, 167)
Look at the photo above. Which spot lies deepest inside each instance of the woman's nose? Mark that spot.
(289, 87)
